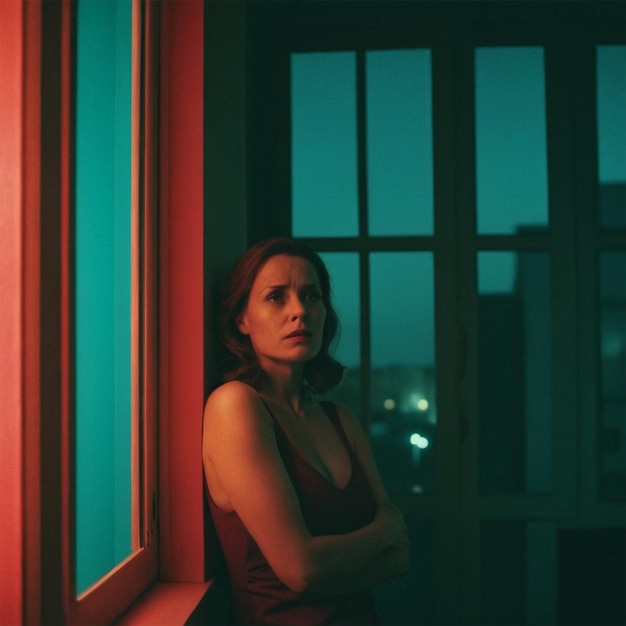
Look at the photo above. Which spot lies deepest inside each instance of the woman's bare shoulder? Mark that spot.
(234, 392)
(234, 404)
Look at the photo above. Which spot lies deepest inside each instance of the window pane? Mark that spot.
(511, 158)
(399, 142)
(515, 373)
(343, 268)
(612, 465)
(611, 96)
(103, 288)
(404, 410)
(323, 145)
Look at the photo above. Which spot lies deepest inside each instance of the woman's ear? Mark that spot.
(241, 325)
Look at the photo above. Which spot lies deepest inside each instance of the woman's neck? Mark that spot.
(285, 390)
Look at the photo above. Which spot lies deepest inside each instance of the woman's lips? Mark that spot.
(301, 335)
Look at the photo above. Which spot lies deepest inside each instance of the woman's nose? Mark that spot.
(298, 310)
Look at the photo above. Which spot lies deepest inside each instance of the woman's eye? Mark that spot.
(276, 296)
(313, 296)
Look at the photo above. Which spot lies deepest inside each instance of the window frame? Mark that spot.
(452, 42)
(112, 594)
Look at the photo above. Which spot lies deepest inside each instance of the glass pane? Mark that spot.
(103, 288)
(611, 453)
(399, 142)
(323, 145)
(343, 268)
(514, 373)
(511, 156)
(611, 97)
(404, 410)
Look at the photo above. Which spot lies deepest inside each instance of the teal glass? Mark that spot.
(511, 144)
(102, 298)
(399, 142)
(515, 434)
(343, 268)
(611, 107)
(403, 386)
(324, 144)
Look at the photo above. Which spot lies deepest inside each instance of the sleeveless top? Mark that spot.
(259, 596)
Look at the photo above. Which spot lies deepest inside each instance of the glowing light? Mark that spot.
(419, 441)
(413, 400)
(389, 404)
(422, 404)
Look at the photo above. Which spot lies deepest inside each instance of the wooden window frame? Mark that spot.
(111, 595)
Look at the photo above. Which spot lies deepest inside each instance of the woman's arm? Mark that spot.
(243, 463)
(392, 561)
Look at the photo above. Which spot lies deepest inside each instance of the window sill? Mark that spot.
(172, 604)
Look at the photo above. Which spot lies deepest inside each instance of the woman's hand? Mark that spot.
(394, 528)
(392, 524)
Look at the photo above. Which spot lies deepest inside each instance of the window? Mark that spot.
(511, 154)
(324, 189)
(112, 307)
(104, 380)
(514, 372)
(611, 102)
(463, 180)
(514, 285)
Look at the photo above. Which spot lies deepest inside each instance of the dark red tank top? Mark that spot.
(259, 596)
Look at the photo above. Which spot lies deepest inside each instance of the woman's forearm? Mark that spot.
(358, 560)
(391, 563)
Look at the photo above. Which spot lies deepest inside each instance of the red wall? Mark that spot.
(20, 54)
(181, 269)
(11, 310)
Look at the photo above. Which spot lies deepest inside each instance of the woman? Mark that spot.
(304, 520)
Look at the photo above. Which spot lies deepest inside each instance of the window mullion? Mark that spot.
(560, 75)
(361, 121)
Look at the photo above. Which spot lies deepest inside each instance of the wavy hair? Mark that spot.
(322, 372)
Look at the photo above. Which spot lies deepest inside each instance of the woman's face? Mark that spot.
(285, 313)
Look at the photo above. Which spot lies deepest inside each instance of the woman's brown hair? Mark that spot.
(322, 372)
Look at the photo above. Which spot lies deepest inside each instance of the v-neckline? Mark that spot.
(306, 462)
